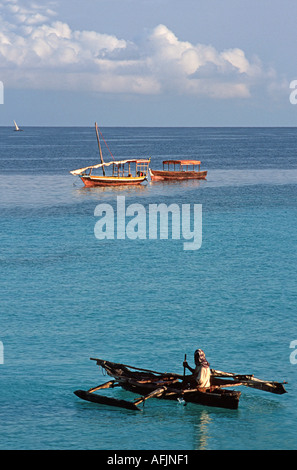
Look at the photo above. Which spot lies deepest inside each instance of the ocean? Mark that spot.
(67, 296)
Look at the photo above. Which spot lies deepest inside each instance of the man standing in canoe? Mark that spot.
(201, 373)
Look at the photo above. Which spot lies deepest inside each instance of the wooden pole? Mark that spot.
(253, 382)
(154, 393)
(109, 384)
(101, 362)
(100, 150)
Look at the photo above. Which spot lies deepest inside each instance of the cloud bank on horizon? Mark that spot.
(39, 51)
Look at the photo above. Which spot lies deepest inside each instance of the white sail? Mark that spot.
(116, 162)
(16, 126)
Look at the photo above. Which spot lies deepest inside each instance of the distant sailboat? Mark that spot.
(17, 127)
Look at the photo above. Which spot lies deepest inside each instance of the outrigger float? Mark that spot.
(117, 172)
(170, 386)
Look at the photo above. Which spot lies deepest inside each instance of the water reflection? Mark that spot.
(191, 183)
(156, 188)
(202, 430)
(97, 192)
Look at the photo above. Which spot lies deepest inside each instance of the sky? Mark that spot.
(148, 62)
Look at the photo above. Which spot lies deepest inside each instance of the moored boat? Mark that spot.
(178, 170)
(123, 172)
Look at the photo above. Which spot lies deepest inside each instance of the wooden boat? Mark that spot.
(123, 172)
(181, 170)
(151, 384)
(172, 386)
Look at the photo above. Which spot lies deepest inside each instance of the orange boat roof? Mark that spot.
(182, 162)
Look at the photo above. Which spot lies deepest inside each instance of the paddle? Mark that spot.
(185, 366)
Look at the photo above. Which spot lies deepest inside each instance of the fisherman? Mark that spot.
(201, 373)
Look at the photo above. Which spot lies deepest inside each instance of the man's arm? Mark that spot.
(185, 364)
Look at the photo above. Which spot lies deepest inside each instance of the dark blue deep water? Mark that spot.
(67, 296)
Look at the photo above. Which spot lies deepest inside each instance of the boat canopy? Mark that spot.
(99, 165)
(181, 162)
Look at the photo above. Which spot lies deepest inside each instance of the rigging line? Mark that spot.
(106, 143)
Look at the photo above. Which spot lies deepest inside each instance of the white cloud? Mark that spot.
(37, 50)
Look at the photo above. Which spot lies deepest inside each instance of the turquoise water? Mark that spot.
(67, 296)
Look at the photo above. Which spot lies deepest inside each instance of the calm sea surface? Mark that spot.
(67, 296)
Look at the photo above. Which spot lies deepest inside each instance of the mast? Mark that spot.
(100, 151)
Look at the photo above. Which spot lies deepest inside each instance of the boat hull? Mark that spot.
(111, 181)
(168, 386)
(220, 398)
(163, 175)
(144, 383)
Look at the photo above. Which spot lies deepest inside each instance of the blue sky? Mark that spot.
(148, 62)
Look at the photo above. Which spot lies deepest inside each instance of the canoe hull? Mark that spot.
(111, 181)
(228, 399)
(163, 175)
(172, 387)
(217, 398)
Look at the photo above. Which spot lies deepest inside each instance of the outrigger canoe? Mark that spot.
(170, 386)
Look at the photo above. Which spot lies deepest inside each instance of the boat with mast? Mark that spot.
(16, 126)
(116, 172)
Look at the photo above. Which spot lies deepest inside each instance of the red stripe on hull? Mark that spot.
(110, 182)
